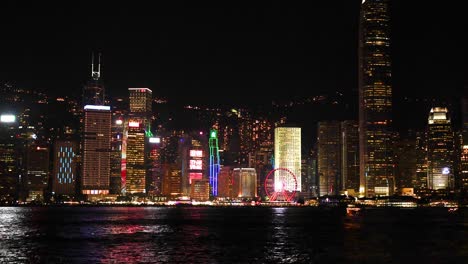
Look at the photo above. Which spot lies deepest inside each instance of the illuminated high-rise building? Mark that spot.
(214, 162)
(225, 182)
(262, 160)
(200, 190)
(193, 159)
(96, 150)
(421, 161)
(135, 158)
(244, 182)
(139, 127)
(171, 180)
(288, 156)
(37, 172)
(350, 155)
(64, 168)
(463, 182)
(141, 100)
(119, 112)
(9, 163)
(440, 147)
(375, 100)
(117, 130)
(329, 157)
(154, 181)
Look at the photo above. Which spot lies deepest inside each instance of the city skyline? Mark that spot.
(273, 132)
(119, 131)
(209, 51)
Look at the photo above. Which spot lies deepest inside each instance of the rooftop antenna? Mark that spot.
(96, 75)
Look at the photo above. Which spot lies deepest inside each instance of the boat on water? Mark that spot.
(352, 210)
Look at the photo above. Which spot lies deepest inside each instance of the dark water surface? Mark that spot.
(230, 235)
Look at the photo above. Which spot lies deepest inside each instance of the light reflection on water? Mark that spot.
(226, 235)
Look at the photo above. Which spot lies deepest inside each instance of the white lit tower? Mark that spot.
(288, 156)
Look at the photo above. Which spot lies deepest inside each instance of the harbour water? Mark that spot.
(231, 235)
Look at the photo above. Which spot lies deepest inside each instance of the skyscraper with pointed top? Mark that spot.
(375, 100)
(93, 91)
(96, 136)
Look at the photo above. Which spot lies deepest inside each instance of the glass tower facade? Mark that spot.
(288, 156)
(135, 158)
(440, 147)
(329, 157)
(350, 155)
(140, 101)
(375, 100)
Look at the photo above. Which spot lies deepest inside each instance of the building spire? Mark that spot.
(96, 75)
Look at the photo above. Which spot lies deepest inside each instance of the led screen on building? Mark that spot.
(196, 153)
(195, 176)
(196, 164)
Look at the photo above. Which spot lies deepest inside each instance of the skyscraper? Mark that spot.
(421, 161)
(375, 100)
(225, 182)
(64, 169)
(440, 147)
(116, 154)
(329, 157)
(288, 156)
(96, 150)
(138, 128)
(244, 182)
(135, 158)
(141, 100)
(463, 182)
(9, 163)
(214, 162)
(350, 155)
(37, 172)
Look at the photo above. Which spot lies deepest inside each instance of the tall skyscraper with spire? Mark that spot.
(96, 136)
(375, 100)
(93, 91)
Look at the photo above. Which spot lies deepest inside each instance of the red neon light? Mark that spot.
(195, 176)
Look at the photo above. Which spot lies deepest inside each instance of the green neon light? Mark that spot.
(213, 134)
(148, 132)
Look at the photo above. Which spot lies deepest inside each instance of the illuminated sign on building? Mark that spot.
(195, 176)
(155, 140)
(7, 118)
(133, 124)
(196, 164)
(118, 122)
(140, 89)
(97, 107)
(445, 170)
(196, 153)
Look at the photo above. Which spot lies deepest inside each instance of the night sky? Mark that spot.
(193, 52)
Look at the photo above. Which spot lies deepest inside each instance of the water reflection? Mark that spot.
(227, 235)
